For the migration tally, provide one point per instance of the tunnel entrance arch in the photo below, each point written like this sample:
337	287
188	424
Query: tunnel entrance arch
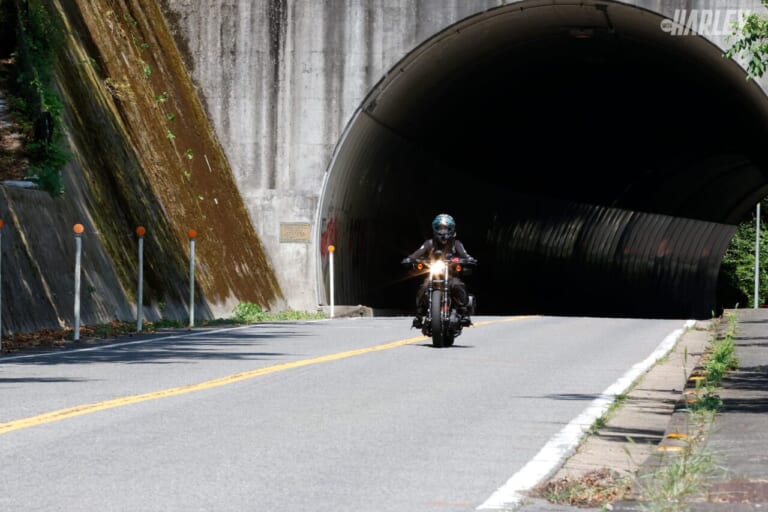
595	164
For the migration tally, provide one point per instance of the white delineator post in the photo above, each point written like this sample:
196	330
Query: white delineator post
331	250
192	235
78	229
140	232
1	285
757	256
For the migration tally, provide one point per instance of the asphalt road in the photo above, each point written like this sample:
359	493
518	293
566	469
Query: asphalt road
344	415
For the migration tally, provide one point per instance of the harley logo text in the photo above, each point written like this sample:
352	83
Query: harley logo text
704	22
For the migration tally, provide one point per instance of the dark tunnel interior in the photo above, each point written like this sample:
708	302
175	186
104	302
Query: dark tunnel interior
594	167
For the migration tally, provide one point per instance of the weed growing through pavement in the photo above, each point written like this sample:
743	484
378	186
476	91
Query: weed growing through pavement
719	359
602	421
678	474
684	468
594	489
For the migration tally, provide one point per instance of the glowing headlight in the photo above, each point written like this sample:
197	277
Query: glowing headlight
437	268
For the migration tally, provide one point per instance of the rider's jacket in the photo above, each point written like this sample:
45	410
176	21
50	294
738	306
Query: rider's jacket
453	249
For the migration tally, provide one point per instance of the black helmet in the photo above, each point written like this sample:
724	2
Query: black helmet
444	228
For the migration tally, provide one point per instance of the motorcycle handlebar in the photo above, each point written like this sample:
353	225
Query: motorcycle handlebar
454	261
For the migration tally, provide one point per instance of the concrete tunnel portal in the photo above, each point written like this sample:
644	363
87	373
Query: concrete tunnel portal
594	164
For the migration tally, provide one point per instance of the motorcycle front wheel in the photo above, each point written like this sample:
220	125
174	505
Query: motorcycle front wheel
438	338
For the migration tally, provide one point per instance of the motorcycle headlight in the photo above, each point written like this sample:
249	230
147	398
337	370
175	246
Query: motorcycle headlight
437	268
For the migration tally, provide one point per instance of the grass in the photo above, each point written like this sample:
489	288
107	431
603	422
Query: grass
602	421
249	313
719	359
679	475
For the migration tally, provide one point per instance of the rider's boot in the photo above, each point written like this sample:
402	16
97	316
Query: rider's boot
464	319
418	322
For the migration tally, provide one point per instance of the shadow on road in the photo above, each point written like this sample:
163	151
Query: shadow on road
159	349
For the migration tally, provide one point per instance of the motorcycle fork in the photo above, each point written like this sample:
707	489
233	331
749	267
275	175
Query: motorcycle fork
445	310
445	306
429	302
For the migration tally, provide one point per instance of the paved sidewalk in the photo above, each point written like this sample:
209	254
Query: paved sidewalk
737	438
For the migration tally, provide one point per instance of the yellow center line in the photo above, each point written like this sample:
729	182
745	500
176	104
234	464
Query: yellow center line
80	410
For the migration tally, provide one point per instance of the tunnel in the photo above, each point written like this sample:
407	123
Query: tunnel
595	165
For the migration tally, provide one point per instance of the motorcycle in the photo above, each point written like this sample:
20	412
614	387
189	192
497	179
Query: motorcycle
442	322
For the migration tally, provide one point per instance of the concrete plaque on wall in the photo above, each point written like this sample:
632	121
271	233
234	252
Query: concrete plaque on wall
296	232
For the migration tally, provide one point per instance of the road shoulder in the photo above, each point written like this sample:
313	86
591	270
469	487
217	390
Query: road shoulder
632	431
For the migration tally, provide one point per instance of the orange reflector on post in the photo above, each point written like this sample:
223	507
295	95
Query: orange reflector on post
192	233
78	229
141	231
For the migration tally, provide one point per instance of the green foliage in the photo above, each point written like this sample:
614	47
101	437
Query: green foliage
249	313
38	37
668	484
668	487
707	401
722	355
602	421
47	164
719	360
722	361
737	271
128	18
751	43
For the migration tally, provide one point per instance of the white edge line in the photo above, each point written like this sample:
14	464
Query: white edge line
138	342
564	443
122	344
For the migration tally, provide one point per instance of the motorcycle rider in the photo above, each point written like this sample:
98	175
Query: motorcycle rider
443	241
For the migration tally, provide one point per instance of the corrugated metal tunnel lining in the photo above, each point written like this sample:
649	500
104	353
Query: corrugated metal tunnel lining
594	163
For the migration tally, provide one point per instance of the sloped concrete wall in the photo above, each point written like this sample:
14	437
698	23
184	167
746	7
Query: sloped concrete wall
143	154
39	264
